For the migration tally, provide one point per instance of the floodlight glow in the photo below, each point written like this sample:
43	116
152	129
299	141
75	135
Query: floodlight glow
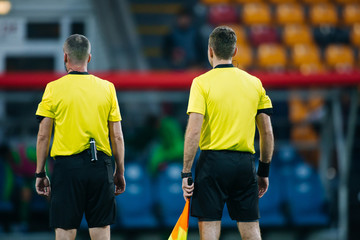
5	7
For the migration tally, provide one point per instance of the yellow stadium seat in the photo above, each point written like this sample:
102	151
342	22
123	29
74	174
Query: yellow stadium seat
272	57
355	35
209	2
311	68
282	1
305	54
346	1
240	33
315	1
297	34
256	13
244	57
288	13
339	57
323	14
351	13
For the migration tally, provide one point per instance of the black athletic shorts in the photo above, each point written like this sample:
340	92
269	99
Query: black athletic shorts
225	177
80	186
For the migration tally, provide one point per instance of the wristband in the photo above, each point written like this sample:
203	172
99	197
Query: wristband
186	175
263	169
40	175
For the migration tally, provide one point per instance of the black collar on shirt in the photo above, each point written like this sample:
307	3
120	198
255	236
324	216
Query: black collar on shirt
76	72
224	65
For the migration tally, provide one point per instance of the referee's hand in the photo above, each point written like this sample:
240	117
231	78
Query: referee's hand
42	186
187	189
263	183
120	184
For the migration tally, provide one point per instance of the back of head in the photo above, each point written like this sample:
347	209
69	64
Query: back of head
78	48
223	42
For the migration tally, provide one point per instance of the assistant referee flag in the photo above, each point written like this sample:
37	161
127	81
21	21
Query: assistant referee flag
180	230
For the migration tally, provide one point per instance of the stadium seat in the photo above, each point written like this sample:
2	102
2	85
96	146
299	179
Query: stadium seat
135	205
351	13
260	34
271	204
355	34
307	197
256	13
340	58
297	34
170	195
325	35
290	13
209	2
240	33
305	54
323	14
346	1
315	1
282	1
222	14
306	59
272	57
244	57
6	187
226	221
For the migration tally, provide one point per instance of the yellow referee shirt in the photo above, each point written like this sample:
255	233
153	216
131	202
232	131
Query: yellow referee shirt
229	99
81	106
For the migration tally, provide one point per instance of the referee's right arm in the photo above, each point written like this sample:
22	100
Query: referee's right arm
118	149
263	123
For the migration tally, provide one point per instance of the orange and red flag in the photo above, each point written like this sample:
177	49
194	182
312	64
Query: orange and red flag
180	230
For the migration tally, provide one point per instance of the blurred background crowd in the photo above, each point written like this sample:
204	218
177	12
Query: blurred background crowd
312	46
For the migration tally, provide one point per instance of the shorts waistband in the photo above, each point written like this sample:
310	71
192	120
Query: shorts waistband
227	151
85	153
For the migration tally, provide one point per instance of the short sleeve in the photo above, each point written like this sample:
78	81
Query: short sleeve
197	102
265	104
114	115
45	107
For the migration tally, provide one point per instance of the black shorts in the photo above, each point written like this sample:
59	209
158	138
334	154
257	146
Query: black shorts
225	177
79	186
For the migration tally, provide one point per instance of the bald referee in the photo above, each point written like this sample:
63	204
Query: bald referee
84	111
225	104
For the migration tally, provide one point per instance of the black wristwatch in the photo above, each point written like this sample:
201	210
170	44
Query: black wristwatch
40	175
186	175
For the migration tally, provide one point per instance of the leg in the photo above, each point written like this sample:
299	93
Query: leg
249	230
209	230
63	234
100	233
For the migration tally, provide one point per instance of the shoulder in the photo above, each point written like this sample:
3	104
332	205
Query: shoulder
103	82
56	82
251	78
203	78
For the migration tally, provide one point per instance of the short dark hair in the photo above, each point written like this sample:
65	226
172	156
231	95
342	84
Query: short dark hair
223	41
78	48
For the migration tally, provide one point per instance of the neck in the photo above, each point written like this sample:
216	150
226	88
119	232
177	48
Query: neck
221	61
76	68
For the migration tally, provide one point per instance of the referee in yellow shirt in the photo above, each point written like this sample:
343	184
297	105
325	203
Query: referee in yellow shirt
225	104
84	111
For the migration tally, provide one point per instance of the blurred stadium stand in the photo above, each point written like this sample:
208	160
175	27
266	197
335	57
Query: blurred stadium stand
302	51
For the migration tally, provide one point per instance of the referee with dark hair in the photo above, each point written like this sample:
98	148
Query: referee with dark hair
84	111
224	106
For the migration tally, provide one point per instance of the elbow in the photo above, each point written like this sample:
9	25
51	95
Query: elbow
43	138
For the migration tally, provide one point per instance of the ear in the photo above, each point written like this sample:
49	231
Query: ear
235	52
211	52
65	57
89	59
